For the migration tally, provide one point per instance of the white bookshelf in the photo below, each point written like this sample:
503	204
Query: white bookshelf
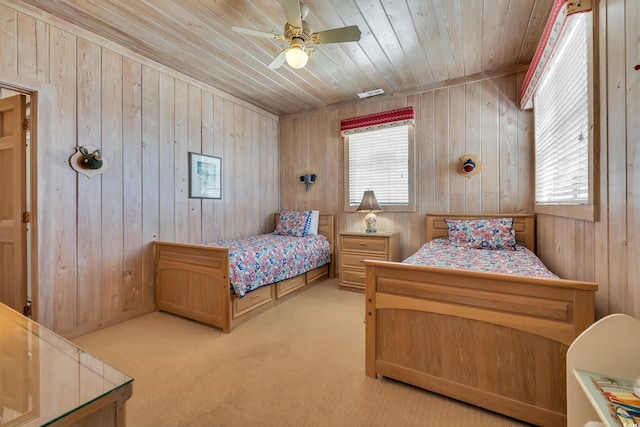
609	348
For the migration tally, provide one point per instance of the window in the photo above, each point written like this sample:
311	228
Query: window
379	156
379	161
564	127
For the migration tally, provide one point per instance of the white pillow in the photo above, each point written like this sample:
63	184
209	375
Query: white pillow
313	227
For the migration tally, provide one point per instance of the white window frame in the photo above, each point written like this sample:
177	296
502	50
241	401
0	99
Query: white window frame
352	203
584	209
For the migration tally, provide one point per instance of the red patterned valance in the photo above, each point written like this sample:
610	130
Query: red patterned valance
402	116
555	24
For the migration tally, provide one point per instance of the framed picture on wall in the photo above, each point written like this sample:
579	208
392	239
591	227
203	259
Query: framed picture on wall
205	176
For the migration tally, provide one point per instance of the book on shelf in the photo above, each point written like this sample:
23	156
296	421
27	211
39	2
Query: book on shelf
614	398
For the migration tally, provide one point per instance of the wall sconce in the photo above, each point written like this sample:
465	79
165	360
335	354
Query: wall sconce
469	165
88	161
369	204
308	179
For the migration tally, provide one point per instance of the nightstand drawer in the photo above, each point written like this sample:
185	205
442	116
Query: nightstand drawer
353	276
369	244
352	259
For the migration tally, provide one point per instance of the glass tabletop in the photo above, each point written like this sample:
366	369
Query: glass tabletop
44	377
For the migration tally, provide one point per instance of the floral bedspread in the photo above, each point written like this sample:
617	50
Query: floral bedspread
268	258
443	253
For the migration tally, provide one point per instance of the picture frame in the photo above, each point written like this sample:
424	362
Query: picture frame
205	176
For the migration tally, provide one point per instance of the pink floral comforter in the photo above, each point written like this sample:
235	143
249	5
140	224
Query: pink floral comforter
443	253
268	258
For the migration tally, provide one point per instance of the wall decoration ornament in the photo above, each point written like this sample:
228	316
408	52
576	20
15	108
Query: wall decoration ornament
308	179
469	165
88	161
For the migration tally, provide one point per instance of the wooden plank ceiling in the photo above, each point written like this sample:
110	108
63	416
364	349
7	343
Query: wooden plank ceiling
406	45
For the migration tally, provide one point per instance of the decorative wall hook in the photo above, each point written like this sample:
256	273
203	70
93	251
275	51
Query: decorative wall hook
88	161
308	179
469	165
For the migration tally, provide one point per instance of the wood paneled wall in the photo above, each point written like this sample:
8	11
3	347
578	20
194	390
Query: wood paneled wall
608	251
478	117
95	258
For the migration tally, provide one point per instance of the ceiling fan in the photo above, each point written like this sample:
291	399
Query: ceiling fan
298	33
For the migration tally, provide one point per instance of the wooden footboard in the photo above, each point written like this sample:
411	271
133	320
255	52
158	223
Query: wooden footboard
493	340
193	281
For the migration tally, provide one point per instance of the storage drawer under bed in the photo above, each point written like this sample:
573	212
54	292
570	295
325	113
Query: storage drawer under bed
252	300
287	286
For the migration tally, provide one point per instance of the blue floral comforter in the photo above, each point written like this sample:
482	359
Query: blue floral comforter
269	258
443	253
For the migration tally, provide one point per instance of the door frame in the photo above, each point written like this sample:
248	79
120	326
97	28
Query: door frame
42	98
16	201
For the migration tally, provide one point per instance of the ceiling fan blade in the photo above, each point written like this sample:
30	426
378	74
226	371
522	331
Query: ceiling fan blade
278	60
337	35
292	11
322	60
250	32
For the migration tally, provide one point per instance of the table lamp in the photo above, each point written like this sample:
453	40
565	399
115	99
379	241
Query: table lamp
369	204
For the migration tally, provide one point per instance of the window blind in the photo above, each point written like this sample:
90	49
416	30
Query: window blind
379	161
561	112
555	25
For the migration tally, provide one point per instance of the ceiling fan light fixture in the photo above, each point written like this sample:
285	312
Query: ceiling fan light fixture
298	33
296	57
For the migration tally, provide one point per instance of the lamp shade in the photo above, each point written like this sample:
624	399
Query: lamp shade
369	203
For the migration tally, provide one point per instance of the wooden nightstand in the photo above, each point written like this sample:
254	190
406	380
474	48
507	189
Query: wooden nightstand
355	247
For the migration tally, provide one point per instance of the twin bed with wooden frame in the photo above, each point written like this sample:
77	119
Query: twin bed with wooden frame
497	341
192	280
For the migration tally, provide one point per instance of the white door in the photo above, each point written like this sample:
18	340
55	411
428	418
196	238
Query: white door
13	191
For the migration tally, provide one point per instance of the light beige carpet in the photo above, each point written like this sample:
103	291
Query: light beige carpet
299	364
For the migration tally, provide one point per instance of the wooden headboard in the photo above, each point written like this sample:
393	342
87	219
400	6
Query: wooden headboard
523	225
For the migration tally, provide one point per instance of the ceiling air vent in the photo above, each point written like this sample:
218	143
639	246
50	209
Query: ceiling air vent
373	92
